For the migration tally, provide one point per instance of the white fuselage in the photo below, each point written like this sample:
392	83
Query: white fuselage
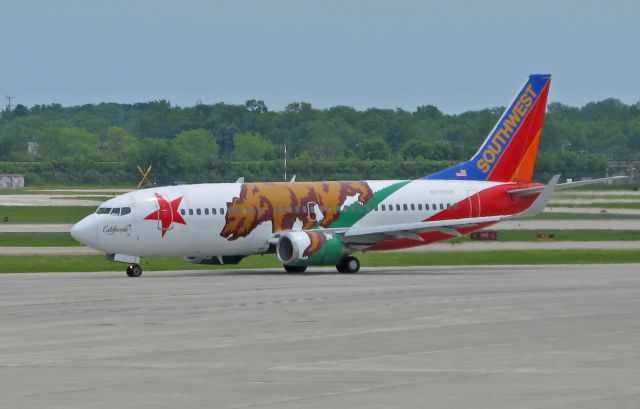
146	231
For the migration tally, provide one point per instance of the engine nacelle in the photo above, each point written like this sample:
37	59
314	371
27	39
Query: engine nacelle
309	248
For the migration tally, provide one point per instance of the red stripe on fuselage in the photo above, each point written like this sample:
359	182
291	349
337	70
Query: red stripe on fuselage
494	201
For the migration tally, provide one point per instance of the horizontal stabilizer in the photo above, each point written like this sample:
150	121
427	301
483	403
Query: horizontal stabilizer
527	191
541	202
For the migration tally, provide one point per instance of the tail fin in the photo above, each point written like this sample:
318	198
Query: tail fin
509	152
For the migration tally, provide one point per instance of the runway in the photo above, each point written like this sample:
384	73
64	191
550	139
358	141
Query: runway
482	337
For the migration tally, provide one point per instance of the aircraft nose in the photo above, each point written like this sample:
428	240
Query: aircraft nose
85	232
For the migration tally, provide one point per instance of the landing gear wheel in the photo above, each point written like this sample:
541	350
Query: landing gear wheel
134	270
295	269
349	264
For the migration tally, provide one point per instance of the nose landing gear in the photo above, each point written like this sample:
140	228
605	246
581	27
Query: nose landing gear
134	270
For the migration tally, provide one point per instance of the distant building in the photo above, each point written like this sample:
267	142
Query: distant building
11	181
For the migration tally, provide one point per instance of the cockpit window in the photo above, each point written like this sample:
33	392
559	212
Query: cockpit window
114	211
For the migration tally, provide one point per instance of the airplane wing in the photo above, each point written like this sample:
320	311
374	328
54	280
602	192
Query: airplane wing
450	226
411	230
535	190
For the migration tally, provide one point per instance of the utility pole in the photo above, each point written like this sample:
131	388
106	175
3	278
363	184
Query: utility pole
9	98
285	158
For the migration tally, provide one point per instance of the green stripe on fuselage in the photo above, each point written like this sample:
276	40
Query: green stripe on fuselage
352	213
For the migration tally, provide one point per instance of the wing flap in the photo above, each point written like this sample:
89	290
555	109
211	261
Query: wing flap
408	229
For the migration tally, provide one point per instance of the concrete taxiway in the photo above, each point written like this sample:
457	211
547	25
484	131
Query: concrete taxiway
481	337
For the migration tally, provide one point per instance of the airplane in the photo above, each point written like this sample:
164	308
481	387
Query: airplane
325	223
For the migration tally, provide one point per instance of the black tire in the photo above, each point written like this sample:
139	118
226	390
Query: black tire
349	265
295	269
134	270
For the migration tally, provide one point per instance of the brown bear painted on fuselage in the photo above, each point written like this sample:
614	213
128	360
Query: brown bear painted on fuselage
258	201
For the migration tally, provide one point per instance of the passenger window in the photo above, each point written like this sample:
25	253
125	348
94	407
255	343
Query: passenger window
125	210
115	211
382	207
214	211
441	206
419	206
413	207
206	211
190	212
183	212
198	212
404	207
434	207
455	205
253	210
398	207
221	210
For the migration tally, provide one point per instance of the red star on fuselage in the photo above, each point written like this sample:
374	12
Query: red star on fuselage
167	213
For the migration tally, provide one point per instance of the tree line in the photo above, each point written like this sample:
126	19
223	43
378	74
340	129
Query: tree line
103	143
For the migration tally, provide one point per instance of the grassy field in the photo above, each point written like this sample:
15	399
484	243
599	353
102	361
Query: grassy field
65	240
37	240
45	214
17	264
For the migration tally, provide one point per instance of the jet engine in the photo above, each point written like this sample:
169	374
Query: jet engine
310	248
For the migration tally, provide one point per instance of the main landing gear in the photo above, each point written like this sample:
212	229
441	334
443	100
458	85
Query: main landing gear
295	269
134	270
349	264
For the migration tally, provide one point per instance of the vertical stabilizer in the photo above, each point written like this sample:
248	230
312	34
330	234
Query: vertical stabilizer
509	152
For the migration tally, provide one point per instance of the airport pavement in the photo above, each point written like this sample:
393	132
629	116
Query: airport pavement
35	228
443	337
473	246
48	200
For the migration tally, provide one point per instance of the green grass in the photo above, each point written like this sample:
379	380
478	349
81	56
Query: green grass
65	240
37	240
44	214
18	264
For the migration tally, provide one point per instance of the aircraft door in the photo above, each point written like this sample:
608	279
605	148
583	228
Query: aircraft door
312	210
475	208
165	212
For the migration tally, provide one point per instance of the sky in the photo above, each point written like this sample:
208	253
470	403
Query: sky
456	55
